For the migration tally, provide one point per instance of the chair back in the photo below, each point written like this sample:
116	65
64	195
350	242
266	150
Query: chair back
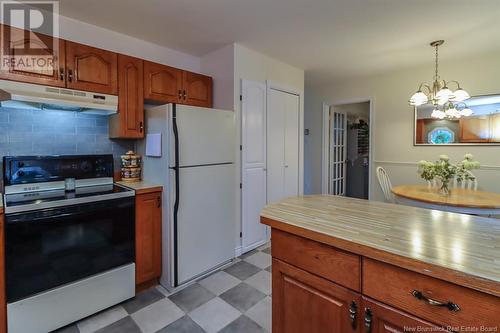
385	184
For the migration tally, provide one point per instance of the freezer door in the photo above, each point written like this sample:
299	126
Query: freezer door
206	219
206	136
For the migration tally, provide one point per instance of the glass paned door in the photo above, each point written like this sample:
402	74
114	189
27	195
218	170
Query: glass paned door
337	163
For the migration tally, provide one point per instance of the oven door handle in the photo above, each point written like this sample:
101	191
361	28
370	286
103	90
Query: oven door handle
63	212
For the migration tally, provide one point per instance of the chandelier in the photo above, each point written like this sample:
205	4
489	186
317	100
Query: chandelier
447	104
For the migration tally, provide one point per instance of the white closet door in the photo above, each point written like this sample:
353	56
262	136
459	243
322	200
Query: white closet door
283	145
291	172
276	145
253	115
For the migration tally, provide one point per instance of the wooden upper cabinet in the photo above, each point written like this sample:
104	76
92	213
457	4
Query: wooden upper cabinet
129	122
380	318
197	89
148	237
495	128
50	52
303	302
162	83
91	69
474	129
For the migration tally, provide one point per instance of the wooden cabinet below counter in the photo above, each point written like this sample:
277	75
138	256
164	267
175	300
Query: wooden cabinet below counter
304	302
316	288
148	218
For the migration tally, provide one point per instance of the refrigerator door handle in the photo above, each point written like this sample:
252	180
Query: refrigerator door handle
176	203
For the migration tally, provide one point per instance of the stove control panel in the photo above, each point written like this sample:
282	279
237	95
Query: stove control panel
38	169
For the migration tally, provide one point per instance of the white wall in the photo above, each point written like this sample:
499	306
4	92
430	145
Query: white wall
219	64
393	120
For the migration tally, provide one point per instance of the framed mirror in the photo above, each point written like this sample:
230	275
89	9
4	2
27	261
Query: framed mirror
482	127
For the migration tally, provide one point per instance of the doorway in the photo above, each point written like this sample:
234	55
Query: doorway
346	149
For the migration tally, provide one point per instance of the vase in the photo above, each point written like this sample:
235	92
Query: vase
444	189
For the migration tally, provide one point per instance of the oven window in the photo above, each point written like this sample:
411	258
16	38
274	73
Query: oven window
49	248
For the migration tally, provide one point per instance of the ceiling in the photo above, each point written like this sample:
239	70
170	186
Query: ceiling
332	40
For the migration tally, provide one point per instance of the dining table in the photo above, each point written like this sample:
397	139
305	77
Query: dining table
460	200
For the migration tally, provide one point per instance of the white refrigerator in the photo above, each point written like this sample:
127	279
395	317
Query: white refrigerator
194	152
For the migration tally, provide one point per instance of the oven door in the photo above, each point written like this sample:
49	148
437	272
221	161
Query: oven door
49	248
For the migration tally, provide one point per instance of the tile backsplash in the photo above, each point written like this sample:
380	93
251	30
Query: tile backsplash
40	132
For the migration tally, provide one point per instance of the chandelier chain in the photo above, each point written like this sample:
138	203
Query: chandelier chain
436	75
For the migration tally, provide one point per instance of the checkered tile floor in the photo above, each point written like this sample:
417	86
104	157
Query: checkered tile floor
234	300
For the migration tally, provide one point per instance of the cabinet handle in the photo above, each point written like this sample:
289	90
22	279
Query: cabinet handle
61	74
180	94
158	202
184	94
141	127
353	314
368	320
449	305
70	75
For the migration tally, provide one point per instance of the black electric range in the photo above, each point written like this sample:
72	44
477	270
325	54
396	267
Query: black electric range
69	230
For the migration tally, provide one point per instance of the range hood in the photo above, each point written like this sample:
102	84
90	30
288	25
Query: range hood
38	97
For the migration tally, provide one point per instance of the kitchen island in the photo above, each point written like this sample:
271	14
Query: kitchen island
349	265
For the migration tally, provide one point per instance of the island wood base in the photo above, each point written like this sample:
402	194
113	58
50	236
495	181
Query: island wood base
318	288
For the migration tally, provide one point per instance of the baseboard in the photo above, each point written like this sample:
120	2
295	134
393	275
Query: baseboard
252	247
238	251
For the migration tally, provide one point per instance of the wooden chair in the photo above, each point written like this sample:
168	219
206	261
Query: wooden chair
385	184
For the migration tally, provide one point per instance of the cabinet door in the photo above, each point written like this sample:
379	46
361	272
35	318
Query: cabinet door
303	302
91	69
495	128
197	90
148	237
129	122
474	129
162	83
282	145
48	51
3	310
380	318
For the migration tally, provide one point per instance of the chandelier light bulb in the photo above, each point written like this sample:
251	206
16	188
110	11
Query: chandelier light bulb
442	101
460	95
444	94
438	114
419	98
466	112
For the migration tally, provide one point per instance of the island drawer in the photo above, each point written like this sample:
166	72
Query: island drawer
432	299
328	262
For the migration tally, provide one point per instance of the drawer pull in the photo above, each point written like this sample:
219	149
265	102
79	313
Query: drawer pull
368	320
449	305
353	311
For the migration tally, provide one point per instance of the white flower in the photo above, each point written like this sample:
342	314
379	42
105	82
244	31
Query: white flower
444	157
468	157
422	163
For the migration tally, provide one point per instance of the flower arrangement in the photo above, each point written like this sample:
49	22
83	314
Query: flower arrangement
443	171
